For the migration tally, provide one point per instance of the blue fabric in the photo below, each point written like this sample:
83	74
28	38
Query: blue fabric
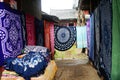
106	39
81	36
91	52
1	56
30	65
10	31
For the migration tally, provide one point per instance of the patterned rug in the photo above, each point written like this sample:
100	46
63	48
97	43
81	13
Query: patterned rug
65	37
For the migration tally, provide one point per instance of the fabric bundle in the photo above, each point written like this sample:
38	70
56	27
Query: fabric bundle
10	31
31	64
81	36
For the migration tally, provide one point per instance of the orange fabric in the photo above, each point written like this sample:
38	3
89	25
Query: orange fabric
47	34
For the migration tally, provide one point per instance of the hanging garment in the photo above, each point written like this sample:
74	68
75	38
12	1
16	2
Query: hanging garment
10	31
88	34
39	25
65	37
81	36
30	27
97	38
91	52
47	34
116	40
52	37
106	38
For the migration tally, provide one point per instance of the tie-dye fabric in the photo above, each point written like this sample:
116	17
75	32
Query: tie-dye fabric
10	31
81	36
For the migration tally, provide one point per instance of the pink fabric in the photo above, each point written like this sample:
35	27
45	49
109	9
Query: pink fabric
30	28
52	37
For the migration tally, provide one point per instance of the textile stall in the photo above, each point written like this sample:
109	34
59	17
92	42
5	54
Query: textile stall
29	62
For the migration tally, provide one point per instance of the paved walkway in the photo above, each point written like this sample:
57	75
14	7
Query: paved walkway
74	70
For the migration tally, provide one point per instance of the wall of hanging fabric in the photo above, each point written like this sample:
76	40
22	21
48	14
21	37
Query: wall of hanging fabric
39	25
116	40
10	31
30	29
81	36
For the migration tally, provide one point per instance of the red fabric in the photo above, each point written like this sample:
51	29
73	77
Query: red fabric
47	34
1	69
30	28
52	38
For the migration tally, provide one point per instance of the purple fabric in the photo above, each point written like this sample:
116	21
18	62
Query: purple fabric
10	31
88	34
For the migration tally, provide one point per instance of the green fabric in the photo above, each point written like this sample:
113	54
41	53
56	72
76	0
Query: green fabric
116	40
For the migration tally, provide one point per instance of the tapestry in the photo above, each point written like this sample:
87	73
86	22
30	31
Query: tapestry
106	39
81	36
52	38
65	37
91	52
30	28
115	40
47	34
39	25
10	31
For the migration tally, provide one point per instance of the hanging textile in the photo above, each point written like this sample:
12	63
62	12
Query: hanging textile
65	37
1	54
116	40
30	28
47	34
52	37
106	39
88	34
23	29
91	52
39	25
97	38
10	31
81	36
